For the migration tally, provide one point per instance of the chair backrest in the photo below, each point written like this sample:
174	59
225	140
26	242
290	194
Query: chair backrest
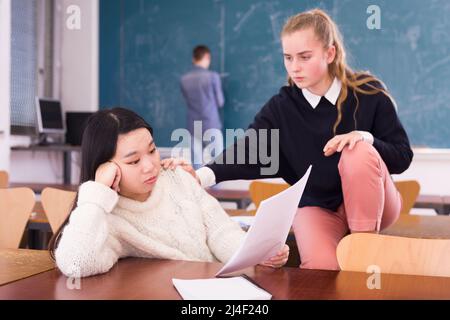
16	206
57	205
4	179
397	255
260	190
409	190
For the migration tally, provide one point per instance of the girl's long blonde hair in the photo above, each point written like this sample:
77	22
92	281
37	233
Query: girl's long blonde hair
328	33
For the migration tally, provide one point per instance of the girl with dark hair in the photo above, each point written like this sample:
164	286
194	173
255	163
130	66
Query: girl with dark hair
127	206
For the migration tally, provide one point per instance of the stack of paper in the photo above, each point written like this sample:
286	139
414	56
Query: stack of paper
235	288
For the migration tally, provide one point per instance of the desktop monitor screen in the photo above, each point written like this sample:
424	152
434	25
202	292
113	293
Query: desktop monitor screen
50	116
75	125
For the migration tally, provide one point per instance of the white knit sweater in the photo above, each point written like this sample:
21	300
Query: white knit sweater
178	221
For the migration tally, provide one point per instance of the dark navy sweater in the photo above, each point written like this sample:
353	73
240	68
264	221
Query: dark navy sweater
303	133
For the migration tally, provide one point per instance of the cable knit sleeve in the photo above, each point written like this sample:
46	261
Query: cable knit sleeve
224	235
84	248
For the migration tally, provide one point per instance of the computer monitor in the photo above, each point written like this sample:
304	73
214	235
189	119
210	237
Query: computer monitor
75	125
50	116
50	121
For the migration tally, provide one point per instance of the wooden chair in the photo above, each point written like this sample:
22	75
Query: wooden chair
260	190
15	208
4	179
397	255
57	205
409	190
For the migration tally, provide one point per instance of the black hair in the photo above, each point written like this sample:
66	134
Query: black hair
99	145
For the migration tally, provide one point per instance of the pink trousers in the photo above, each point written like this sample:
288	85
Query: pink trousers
371	203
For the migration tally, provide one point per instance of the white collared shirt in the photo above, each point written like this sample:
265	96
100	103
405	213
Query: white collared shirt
332	95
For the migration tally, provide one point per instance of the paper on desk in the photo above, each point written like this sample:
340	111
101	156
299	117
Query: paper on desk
269	230
235	288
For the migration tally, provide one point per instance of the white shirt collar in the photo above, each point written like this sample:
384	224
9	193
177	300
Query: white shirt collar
331	95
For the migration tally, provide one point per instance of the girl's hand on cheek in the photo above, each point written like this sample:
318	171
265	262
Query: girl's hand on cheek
109	174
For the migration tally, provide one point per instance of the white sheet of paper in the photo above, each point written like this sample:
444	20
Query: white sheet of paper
269	230
235	288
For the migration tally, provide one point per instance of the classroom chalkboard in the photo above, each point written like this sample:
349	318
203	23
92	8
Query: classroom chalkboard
145	46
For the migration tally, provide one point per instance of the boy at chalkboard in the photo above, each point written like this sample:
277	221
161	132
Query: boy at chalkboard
342	122
202	91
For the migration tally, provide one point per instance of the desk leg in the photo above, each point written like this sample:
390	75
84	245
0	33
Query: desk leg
33	239
67	167
444	210
243	203
38	239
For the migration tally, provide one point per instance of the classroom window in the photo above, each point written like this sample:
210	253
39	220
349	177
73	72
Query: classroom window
23	66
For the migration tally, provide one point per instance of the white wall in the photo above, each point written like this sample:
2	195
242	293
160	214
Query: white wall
5	35
76	84
431	167
79	57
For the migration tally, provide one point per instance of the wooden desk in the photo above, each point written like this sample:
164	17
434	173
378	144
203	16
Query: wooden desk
65	149
240	197
439	203
16	264
239	212
134	278
414	226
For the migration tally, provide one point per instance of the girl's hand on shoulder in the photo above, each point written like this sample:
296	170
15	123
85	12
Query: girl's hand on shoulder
279	260
109	174
340	141
172	163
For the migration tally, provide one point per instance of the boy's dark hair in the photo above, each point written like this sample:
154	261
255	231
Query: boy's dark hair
199	52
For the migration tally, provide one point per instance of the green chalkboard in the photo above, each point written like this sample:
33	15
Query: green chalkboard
145	46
